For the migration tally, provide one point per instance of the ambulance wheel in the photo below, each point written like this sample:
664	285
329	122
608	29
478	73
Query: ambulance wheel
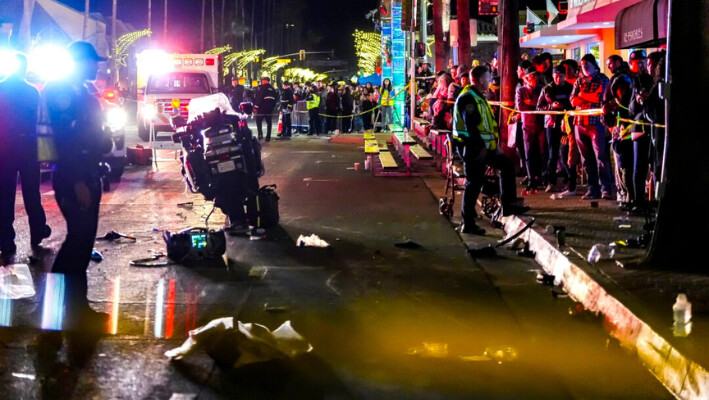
143	132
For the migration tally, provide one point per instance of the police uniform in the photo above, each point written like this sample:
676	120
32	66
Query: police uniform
287	102
18	154
312	103
265	102
71	116
476	136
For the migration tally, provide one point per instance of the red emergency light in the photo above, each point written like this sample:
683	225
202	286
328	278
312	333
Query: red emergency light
210	61
110	94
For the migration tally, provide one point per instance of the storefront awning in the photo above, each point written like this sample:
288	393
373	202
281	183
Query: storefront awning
642	25
593	14
552	37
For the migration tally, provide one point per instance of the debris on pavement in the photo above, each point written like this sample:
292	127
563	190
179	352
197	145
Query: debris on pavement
546	279
24	376
430	350
559	293
258	272
483	252
598	252
96	256
187	205
232	343
113	235
517	244
311	241
526	252
275	309
183	396
409	244
16	282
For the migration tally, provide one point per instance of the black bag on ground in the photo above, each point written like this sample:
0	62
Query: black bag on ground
262	207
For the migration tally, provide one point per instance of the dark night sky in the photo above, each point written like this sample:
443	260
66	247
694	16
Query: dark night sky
332	20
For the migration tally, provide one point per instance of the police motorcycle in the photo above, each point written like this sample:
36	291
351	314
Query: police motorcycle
219	154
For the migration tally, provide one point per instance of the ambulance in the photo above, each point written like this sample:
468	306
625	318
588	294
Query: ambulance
167	82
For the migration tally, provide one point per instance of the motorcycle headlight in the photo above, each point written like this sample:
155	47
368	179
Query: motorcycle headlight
116	118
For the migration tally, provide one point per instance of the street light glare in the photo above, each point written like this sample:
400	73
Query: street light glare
8	63
154	62
50	62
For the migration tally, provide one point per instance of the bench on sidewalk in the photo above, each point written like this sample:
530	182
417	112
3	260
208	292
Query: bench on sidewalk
438	141
387	160
403	142
421	127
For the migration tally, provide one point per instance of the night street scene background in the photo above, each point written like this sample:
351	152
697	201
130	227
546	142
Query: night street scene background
374	199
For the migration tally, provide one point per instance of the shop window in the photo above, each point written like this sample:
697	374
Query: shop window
595	49
576	54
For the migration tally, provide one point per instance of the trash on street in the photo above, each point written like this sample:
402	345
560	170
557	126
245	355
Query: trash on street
409	244
233	343
16	282
311	241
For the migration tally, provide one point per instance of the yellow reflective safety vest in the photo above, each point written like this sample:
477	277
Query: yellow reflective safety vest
386	98
487	128
312	101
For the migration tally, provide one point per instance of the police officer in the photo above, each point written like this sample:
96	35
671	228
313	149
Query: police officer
236	93
18	154
312	103
71	116
287	102
476	136
264	105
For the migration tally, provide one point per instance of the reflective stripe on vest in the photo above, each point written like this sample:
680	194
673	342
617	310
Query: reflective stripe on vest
314	103
487	128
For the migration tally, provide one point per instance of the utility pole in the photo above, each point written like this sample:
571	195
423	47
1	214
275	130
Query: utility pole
164	24
682	187
150	14
214	43
201	28
441	43
86	20
508	35
464	33
113	42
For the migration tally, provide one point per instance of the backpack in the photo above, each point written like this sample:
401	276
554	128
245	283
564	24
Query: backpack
262	207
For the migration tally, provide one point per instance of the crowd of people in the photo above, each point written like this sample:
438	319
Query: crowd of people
616	142
331	108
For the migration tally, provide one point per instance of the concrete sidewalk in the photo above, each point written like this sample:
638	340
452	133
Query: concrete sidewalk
636	304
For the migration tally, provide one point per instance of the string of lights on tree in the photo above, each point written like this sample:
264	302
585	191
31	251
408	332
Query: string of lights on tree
368	51
302	75
219	50
270	65
125	41
240	59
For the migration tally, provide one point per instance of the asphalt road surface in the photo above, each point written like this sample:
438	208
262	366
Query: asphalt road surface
384	322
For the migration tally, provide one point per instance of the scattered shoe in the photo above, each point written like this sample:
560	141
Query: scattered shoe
568	193
590	196
472	229
258	234
47	233
237	229
514	209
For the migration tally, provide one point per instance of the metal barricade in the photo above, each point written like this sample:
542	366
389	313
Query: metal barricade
299	119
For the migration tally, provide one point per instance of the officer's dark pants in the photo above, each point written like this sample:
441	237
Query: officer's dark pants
624	173
331	121
28	168
641	165
535	147
287	125
231	197
475	177
314	124
73	257
259	119
519	145
553	145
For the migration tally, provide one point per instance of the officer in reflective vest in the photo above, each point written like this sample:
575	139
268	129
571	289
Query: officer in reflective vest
476	137
312	103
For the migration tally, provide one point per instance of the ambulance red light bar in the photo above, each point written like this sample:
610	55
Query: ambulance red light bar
210	61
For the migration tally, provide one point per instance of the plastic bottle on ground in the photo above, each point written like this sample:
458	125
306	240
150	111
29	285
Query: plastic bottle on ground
598	252
682	311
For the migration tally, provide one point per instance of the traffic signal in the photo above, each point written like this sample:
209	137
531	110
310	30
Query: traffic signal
529	28
301	55
420	50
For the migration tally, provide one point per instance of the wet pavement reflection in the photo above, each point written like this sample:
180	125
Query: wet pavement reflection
384	322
